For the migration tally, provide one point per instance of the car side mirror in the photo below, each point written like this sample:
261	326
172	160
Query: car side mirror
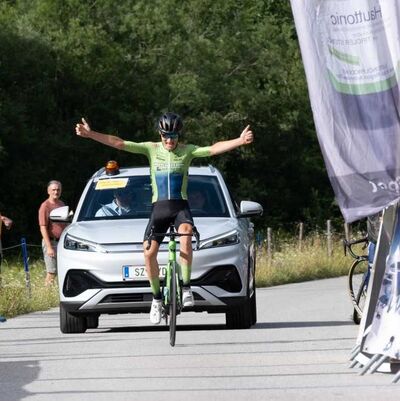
249	209
61	214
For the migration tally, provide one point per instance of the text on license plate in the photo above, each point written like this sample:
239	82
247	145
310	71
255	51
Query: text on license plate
138	272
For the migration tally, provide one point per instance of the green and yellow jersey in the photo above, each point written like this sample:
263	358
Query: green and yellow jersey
168	169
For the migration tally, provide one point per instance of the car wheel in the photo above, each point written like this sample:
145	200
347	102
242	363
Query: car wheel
239	317
70	323
92	321
245	315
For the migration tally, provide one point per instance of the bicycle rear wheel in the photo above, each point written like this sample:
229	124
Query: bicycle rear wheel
358	283
173	304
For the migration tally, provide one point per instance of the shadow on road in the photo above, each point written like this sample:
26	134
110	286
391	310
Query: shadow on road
163	327
210	327
14	376
287	325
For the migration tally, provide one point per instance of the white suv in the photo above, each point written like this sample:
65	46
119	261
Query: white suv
100	255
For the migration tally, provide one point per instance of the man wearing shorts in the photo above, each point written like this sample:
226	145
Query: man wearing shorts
169	166
51	231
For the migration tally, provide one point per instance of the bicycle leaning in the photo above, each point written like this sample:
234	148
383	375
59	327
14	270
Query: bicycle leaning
171	291
358	277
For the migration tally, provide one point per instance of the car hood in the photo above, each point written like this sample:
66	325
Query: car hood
128	231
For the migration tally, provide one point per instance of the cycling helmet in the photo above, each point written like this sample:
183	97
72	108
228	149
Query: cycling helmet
170	124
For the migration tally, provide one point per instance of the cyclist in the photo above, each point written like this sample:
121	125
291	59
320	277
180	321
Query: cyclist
169	164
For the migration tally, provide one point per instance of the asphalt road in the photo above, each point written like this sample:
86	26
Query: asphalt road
298	350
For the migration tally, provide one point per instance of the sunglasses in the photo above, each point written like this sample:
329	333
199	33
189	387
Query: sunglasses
169	135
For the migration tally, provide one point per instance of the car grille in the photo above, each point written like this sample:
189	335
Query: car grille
78	281
120	298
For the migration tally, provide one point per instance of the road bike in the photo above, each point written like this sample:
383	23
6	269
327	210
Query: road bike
171	290
358	276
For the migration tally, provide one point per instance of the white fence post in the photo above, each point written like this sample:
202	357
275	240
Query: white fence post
329	237
301	231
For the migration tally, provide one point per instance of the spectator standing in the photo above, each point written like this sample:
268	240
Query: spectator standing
51	231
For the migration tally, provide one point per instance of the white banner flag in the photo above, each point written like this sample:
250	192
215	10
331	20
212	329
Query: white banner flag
383	336
351	55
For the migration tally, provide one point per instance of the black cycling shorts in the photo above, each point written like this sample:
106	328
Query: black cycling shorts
167	212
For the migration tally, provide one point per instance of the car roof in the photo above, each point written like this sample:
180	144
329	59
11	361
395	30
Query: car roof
137	171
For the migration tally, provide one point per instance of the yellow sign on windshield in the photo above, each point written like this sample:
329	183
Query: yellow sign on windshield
111	183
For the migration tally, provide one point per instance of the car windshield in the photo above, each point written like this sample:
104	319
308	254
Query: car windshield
130	198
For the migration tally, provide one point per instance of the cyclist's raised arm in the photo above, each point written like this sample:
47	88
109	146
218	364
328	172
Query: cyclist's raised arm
245	138
83	130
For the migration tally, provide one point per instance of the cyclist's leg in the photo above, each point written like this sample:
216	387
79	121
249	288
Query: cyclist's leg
184	225
152	268
158	223
186	252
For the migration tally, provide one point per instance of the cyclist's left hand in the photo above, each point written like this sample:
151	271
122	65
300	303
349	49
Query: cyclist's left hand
83	129
247	135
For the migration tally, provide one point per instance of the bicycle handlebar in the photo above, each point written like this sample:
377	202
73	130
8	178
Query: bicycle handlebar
348	245
172	234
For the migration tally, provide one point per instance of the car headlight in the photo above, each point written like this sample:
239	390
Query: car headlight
76	244
226	239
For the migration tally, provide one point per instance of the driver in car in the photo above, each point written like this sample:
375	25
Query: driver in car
122	204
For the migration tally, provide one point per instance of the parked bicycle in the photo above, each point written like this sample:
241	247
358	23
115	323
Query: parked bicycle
172	284
358	276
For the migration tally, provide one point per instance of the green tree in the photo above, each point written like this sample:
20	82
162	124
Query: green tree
221	65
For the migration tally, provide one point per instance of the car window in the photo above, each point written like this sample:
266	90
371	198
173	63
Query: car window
204	195
100	203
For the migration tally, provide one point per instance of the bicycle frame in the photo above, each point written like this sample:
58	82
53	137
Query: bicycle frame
172	284
169	274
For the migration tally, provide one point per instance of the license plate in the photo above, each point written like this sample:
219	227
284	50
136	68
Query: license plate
138	272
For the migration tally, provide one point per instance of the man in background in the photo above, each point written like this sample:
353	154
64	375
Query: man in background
51	231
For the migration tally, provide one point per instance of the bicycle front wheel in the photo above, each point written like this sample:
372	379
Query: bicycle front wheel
173	304
358	282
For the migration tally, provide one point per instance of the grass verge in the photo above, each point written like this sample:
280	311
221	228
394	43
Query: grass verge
15	296
289	264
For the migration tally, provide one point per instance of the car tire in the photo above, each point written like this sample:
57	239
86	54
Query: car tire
239	317
243	316
92	321
71	323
